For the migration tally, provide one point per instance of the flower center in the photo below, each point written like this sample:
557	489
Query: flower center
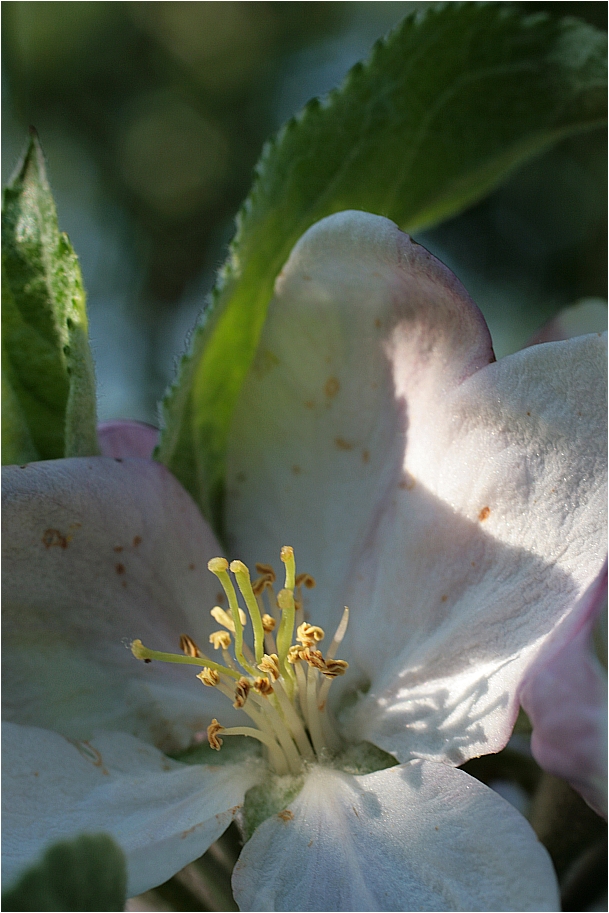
282	682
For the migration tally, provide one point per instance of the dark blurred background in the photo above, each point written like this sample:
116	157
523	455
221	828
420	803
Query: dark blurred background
152	115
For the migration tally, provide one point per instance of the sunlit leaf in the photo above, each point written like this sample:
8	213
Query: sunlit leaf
446	106
48	383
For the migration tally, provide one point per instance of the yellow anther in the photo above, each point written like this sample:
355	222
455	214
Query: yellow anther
220	640
212	735
265	570
335	667
188	646
285	599
305	580
294	654
309	634
217	565
224	619
270	664
209	677
314	658
242	689
268	623
287	556
238	567
263	686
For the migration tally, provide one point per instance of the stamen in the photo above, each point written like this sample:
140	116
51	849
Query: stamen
340	633
141	652
281	732
277	756
294	654
219	567
309	634
305	580
313	713
220	640
294	724
263	686
242	576
302	689
260	584
212	735
188	646
335	667
270	665
242	689
267	571
292	730
224	619
314	658
209	677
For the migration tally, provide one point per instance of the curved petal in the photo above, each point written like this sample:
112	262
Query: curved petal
317	442
162	814
127	439
565	696
470	571
422	836
98	552
454	504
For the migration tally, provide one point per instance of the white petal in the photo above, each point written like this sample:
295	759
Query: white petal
98	552
162	814
317	443
422	836
506	529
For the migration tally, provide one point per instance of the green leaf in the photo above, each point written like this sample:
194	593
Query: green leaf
87	873
48	382
442	111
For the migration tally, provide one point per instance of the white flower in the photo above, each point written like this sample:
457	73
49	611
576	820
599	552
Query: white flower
455	504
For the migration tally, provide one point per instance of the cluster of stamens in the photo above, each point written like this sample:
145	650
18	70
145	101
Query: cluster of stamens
282	686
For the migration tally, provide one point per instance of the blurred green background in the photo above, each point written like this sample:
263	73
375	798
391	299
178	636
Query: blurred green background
152	116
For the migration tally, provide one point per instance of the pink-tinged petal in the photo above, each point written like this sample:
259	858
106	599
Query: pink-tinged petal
317	442
96	553
127	439
565	696
588	316
422	836
454	504
162	814
503	531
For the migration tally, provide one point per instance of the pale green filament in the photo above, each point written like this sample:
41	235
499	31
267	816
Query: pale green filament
315	732
293	722
141	652
338	637
279	761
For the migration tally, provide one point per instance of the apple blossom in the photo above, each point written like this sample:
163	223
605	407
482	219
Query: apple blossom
454	503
